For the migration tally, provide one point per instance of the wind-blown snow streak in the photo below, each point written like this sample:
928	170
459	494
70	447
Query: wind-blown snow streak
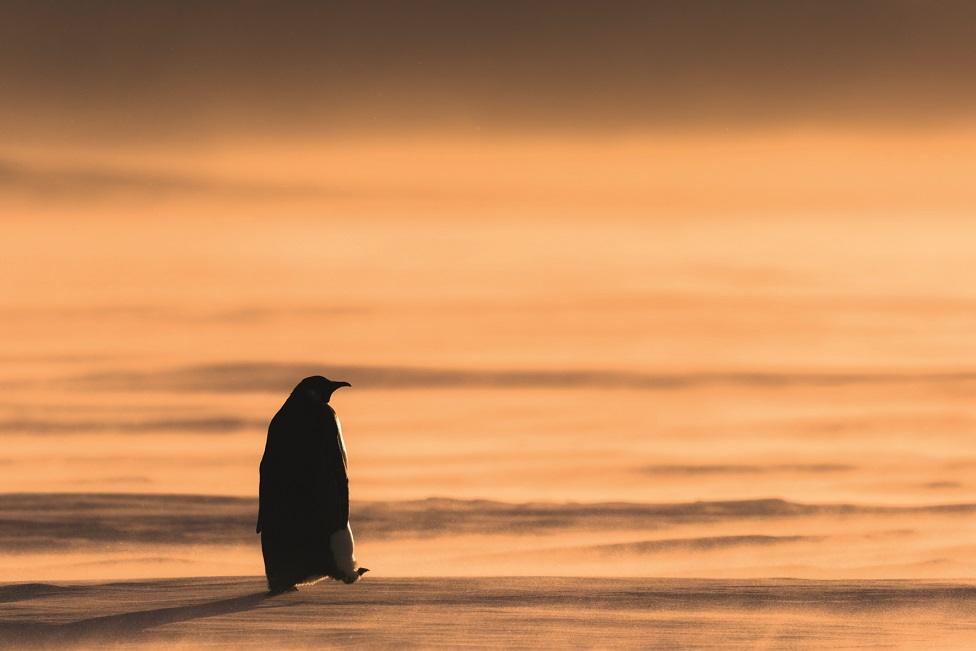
50	521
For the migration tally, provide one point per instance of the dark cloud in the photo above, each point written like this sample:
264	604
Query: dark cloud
30	521
252	314
123	479
235	315
65	358
938	485
281	377
202	425
176	70
745	469
66	183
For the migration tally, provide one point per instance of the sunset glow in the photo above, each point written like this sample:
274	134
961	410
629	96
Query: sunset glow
686	286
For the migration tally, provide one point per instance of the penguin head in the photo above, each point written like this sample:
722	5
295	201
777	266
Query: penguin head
318	388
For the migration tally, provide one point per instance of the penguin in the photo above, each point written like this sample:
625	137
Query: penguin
303	506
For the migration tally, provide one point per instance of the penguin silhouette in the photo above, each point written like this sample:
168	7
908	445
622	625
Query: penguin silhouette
303	510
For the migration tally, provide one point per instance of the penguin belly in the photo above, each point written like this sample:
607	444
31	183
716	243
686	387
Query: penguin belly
343	548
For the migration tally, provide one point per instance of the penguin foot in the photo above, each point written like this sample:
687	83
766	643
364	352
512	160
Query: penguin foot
352	578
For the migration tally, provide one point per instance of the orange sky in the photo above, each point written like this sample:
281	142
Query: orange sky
160	73
659	110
